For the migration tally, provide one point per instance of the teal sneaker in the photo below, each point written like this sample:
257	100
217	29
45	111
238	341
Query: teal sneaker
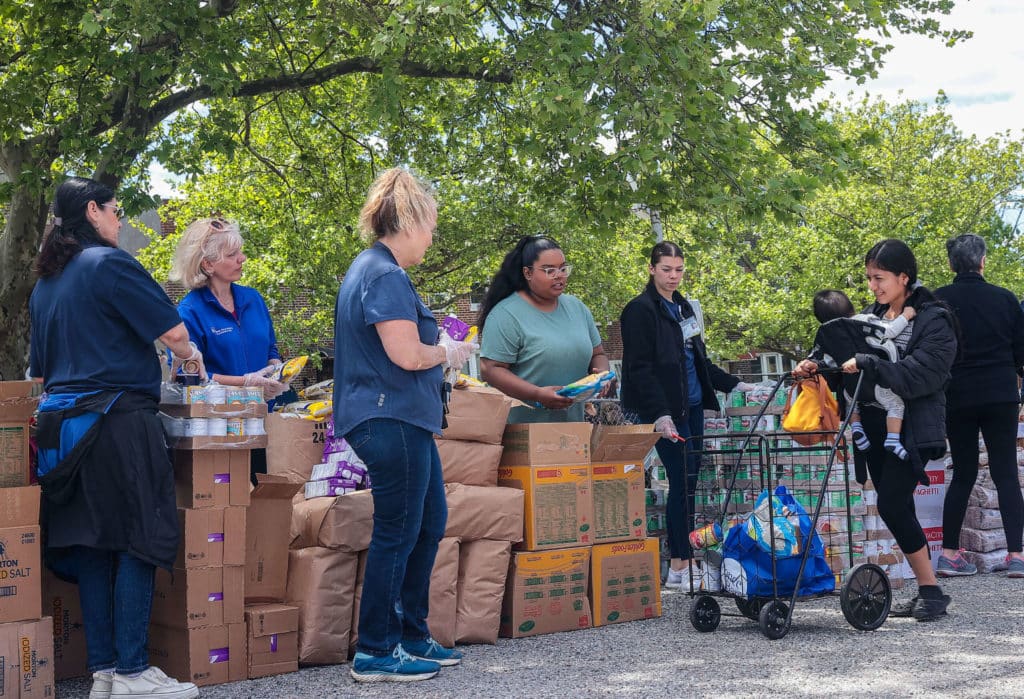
429	649
397	667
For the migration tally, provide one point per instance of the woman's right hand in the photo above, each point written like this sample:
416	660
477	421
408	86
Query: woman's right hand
805	368
548	397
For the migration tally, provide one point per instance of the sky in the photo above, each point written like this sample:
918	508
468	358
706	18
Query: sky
983	77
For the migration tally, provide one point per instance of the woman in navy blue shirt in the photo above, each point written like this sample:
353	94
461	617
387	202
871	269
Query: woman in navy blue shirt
387	404
108	509
229	322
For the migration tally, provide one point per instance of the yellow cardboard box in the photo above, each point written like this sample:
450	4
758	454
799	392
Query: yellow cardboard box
617	472
558	505
625	581
545	592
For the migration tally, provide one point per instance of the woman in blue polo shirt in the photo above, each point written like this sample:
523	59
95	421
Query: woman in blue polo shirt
229	322
387	404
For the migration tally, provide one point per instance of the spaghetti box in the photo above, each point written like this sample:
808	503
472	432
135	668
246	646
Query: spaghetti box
546	444
16	408
213	478
546	592
20	554
211	537
624	581
273	639
194	597
205	656
26	659
617	473
558	504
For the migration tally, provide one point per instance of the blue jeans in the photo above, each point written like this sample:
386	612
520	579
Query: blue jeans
679	510
116	592
409	518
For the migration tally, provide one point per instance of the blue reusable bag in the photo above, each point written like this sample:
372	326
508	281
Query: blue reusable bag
747	562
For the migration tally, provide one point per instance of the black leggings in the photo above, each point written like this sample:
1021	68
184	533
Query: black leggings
998	425
894	480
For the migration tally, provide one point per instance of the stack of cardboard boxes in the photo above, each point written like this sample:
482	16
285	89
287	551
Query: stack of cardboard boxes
585	558
26	636
197	630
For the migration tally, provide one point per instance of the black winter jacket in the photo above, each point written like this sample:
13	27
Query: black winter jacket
654	379
992	342
920	379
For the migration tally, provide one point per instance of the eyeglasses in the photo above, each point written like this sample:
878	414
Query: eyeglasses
552	272
118	210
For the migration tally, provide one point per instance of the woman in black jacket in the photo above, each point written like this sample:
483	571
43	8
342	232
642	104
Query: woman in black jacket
982	397
927	349
667	379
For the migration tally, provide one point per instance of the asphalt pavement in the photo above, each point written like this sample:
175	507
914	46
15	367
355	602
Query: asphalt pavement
975	651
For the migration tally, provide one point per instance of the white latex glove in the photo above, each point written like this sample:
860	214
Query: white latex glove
667	428
196	355
745	387
271	388
456	353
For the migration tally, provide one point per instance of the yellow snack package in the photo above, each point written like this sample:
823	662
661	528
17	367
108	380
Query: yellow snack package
290	369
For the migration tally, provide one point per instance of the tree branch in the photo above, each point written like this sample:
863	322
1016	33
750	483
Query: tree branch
294	81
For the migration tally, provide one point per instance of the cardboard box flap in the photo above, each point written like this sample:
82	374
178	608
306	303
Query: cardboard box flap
17	389
489	390
621	442
270	487
269	619
19	507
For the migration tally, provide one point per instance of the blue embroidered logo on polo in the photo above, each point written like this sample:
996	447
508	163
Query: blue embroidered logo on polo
222	331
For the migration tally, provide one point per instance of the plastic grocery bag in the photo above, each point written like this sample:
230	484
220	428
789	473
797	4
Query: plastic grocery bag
747	559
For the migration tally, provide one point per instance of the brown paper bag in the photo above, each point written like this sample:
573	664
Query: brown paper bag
483	567
444	592
475	512
344	523
321	583
469	463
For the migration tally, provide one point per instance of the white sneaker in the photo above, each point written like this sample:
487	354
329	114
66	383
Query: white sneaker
679	579
152	683
101	684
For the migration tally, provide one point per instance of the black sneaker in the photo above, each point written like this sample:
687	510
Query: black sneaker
931	609
903	609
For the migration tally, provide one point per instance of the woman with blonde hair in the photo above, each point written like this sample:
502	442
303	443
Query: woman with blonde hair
229	322
387	404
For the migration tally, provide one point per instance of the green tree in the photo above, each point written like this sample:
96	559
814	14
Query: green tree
680	89
923	182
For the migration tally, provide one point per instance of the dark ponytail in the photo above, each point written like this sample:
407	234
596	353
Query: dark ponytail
509	278
71	229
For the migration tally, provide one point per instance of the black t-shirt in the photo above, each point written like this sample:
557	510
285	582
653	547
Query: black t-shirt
93	325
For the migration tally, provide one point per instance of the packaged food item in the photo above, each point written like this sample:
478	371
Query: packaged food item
324	389
218	426
310	409
254	426
458	330
329	487
467	380
587	387
216	394
236	427
289	370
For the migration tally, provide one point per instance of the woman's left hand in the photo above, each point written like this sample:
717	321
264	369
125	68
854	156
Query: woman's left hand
850	366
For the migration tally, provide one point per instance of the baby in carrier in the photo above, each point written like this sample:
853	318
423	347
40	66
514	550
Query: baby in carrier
844	333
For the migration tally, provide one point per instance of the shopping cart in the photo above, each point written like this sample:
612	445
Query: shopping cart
735	468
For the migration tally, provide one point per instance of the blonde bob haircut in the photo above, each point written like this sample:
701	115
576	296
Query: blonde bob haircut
205	240
397	200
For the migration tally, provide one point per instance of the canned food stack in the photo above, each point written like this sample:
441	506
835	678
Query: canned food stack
26	636
198	627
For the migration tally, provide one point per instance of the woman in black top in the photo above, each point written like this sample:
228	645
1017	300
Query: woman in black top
982	396
927	349
667	379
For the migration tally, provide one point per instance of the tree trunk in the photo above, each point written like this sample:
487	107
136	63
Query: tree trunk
23	228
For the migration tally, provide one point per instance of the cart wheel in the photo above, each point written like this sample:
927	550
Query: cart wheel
705	614
750	608
866	597
775	620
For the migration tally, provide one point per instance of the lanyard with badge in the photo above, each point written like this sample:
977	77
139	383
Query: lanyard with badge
689	326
